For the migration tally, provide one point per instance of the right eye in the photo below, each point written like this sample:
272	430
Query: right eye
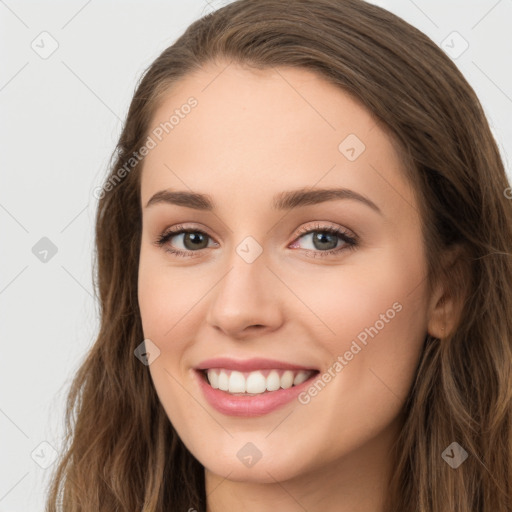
192	240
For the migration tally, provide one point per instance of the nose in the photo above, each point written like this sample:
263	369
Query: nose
246	300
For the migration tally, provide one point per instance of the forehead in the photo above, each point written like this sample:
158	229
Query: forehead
252	133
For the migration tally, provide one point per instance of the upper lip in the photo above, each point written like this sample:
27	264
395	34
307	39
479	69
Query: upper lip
248	365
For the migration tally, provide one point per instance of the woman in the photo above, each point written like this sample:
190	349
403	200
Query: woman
305	279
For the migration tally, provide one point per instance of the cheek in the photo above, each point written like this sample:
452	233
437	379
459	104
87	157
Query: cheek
168	296
169	299
355	301
378	317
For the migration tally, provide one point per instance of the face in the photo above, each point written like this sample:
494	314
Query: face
289	322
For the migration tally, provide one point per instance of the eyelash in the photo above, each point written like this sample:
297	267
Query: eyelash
350	241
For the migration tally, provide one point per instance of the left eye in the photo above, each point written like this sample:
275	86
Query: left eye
321	240
325	239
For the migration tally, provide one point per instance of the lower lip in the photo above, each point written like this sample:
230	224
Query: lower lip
248	406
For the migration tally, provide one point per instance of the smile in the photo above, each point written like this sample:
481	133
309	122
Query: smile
256	382
253	387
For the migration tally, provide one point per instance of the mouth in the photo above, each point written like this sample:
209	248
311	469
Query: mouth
253	383
251	387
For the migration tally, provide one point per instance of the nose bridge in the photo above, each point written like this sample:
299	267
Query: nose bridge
246	264
246	295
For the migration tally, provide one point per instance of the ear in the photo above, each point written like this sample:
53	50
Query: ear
445	306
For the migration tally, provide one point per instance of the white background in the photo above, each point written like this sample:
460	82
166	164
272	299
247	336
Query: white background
60	120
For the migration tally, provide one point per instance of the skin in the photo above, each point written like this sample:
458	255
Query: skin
254	134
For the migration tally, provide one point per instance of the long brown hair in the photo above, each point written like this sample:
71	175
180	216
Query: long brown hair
121	452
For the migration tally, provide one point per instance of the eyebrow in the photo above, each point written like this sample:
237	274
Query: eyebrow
281	201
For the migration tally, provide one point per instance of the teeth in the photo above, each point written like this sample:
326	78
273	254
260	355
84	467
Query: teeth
300	378
255	382
273	381
236	383
287	379
214	380
223	381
